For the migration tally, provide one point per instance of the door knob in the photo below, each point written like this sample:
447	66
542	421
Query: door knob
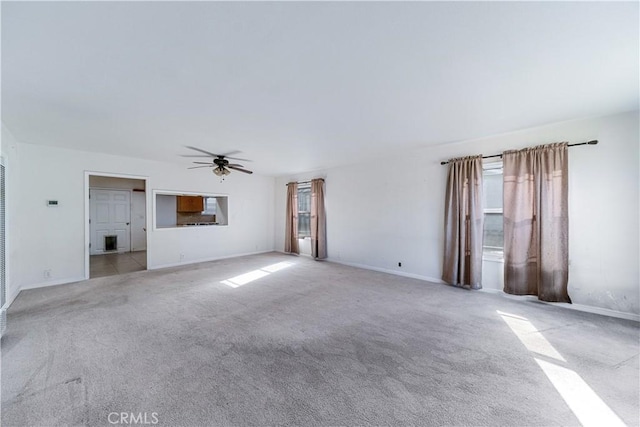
127	223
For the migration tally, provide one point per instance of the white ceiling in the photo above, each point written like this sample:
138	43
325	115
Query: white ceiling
299	86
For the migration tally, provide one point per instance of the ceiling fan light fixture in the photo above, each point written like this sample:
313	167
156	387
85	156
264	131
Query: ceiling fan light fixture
220	171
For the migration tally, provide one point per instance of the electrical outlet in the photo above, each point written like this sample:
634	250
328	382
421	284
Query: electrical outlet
47	274
181	257
399	264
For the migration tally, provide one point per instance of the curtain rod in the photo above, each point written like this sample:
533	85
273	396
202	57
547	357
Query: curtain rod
592	142
303	182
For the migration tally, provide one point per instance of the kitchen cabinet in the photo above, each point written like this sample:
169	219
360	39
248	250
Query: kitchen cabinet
190	203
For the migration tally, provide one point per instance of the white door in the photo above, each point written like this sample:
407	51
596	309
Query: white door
109	215
138	221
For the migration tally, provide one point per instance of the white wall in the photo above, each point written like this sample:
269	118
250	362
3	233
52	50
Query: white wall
382	213
166	207
54	238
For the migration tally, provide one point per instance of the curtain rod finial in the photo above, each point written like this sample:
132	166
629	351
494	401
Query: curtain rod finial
593	142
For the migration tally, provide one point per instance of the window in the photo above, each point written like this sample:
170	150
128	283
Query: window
493	242
210	206
304	211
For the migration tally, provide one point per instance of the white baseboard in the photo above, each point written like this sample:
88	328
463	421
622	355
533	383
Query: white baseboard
598	310
579	307
200	260
11	298
52	283
491	290
388	271
300	254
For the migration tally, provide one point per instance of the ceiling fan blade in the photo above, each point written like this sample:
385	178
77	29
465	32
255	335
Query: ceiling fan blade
239	170
230	153
234	165
237	158
194	155
210	154
202	151
204	163
196	167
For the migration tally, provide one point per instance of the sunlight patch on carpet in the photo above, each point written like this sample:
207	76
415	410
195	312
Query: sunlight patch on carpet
586	405
530	336
583	401
249	277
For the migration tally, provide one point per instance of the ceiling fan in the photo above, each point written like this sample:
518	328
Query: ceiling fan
220	164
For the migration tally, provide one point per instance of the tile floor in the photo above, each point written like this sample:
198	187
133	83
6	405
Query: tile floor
113	264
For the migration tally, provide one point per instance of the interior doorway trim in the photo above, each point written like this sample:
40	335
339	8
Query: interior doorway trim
87	229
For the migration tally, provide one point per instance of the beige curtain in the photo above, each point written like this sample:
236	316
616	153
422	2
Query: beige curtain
464	217
536	222
318	220
291	230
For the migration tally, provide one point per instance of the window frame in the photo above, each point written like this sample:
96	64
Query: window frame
492	253
303	188
206	210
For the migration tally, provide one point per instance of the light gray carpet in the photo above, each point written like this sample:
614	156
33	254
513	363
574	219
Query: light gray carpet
312	344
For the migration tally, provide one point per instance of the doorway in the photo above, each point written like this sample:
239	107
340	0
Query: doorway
116	224
109	221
